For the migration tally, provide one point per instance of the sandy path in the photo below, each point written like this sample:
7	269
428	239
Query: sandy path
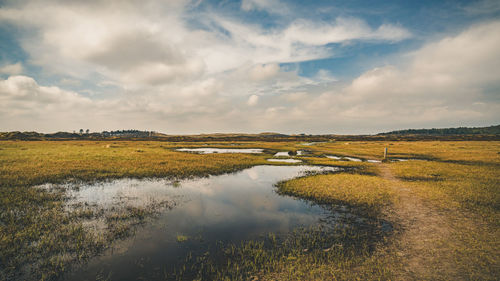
423	228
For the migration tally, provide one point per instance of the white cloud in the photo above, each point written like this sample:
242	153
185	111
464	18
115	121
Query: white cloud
271	6
12	69
343	29
253	100
25	102
70	82
264	72
482	7
295	97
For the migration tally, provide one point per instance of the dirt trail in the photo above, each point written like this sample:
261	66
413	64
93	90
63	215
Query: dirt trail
423	228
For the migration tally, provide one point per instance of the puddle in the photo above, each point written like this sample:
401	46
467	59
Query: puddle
288	154
285	160
333	157
209	150
313	143
229	208
369	160
344	158
353	159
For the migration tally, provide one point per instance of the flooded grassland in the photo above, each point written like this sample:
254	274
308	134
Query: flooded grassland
81	210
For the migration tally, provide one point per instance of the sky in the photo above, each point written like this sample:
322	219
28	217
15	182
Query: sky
250	66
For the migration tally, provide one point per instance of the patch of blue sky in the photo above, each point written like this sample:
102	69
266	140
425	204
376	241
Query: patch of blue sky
351	60
10	50
422	17
9	47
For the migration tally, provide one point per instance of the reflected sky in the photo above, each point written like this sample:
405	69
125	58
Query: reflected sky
281	154
285	160
344	158
229	208
208	150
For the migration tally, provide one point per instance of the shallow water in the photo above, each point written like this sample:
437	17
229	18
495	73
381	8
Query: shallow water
285	160
313	143
208	150
344	158
229	208
286	153
353	159
333	157
282	154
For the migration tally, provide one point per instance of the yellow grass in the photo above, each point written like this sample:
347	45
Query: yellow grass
31	163
369	193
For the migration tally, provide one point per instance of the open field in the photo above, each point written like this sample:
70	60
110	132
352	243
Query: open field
444	208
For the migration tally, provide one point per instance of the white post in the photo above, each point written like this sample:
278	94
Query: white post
385	153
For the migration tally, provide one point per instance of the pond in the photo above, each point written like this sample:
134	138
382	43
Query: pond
209	150
226	208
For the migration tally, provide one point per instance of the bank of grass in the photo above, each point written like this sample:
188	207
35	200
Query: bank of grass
366	194
454	185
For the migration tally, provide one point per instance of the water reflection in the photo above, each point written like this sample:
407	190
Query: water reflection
282	154
353	159
230	208
344	158
313	143
285	160
334	157
209	150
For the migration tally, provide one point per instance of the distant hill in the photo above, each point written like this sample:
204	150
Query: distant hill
491	130
68	136
457	134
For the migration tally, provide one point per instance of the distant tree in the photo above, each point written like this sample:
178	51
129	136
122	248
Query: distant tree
87	131
81	131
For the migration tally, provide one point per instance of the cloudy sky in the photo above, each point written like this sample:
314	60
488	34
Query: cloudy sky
202	66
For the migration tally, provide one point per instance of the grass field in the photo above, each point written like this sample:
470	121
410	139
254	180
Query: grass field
445	207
